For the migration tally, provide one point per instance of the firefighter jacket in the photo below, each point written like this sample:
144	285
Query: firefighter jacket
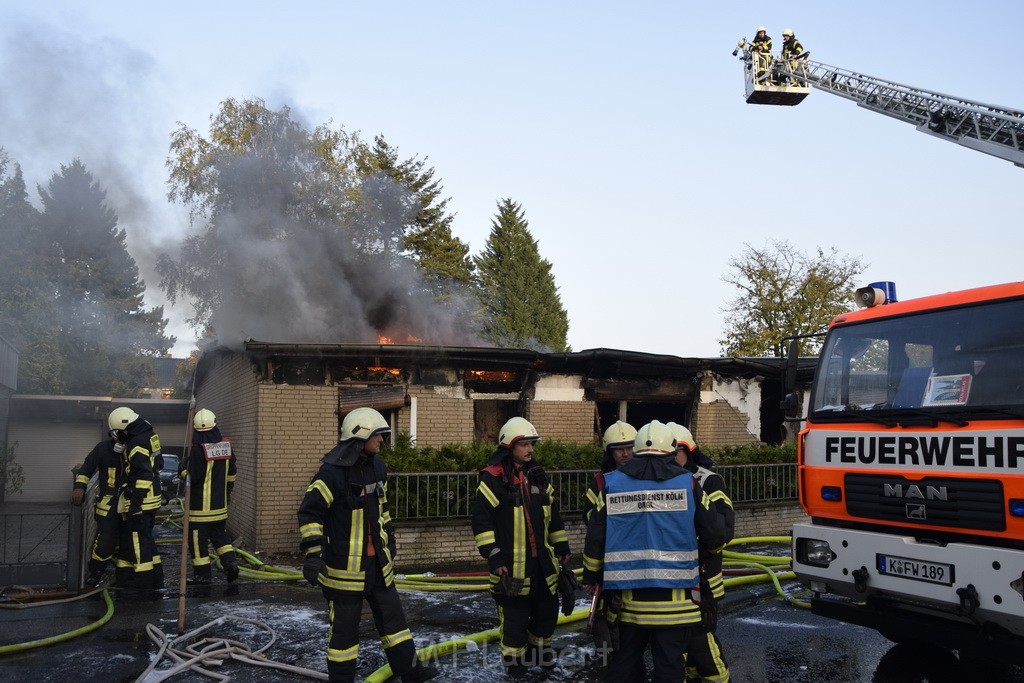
651	602
721	504
344	515
516	519
762	45
211	468
597	485
102	459
792	48
143	462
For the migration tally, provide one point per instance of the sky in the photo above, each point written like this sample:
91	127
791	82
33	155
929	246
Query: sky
620	128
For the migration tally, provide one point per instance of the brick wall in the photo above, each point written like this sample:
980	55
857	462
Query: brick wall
440	419
297	425
720	424
571	421
448	544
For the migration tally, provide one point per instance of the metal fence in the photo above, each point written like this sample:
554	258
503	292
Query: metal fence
444	495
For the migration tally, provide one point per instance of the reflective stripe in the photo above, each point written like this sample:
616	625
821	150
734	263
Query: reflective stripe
652	573
311	530
484	538
395	638
346	655
591	564
488	494
320	487
356	534
651	556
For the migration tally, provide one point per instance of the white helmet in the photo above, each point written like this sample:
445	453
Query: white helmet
787	32
204	420
120	418
654	438
761	28
618	435
517	429
362	423
683	436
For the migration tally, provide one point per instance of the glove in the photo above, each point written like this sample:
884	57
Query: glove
136	521
77	496
311	567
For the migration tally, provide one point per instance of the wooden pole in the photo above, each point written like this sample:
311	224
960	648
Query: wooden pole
185	507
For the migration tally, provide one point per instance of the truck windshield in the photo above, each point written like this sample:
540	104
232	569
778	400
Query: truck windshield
963	360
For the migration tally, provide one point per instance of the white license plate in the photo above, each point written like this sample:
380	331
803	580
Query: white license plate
919	570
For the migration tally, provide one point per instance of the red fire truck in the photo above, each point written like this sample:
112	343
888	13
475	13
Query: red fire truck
911	468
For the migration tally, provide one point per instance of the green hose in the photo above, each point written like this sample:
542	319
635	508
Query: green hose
22	647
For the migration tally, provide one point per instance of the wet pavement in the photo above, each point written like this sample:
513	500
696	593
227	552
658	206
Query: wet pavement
764	638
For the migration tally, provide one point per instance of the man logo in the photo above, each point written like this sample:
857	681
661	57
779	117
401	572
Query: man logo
914	491
916	512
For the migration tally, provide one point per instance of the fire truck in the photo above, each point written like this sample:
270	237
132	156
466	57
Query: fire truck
911	468
995	130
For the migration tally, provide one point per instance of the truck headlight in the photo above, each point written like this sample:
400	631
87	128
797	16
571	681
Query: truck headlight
814	552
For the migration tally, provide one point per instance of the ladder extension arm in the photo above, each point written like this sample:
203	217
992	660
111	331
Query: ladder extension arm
998	131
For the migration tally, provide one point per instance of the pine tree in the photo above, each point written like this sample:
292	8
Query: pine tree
105	334
522	307
27	302
443	259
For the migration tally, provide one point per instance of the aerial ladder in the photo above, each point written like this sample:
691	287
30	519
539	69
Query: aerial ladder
994	130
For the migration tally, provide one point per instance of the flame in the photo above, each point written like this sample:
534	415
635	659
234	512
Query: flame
409	339
491	375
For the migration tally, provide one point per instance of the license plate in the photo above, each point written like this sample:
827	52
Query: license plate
919	570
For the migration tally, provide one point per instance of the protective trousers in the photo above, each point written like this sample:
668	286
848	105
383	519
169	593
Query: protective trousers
704	661
108	530
138	562
200	536
527	621
388	617
668	650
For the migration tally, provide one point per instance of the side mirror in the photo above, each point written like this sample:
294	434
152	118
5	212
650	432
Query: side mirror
791	405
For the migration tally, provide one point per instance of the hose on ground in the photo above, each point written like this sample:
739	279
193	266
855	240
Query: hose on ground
22	647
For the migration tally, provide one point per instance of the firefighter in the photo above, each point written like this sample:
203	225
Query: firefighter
643	540
138	561
211	464
519	531
618	449
705	661
104	459
791	52
761	51
348	541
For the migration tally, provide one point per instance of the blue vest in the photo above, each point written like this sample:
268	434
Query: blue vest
650	540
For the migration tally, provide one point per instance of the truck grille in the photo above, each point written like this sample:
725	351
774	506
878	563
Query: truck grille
959	503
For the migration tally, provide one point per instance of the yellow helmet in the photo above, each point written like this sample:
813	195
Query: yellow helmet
654	438
618	435
362	423
204	420
683	436
517	429
120	418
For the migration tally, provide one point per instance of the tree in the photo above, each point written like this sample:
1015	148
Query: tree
443	259
27	303
294	240
105	333
784	292
522	307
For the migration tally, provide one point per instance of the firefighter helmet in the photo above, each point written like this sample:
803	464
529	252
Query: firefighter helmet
362	423
787	32
683	436
761	28
654	438
120	418
517	429
204	420
618	435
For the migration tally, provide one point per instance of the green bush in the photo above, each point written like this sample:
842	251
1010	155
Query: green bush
752	454
553	455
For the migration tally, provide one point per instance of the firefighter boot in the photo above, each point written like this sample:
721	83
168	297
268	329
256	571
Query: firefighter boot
202	574
420	673
514	667
230	567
